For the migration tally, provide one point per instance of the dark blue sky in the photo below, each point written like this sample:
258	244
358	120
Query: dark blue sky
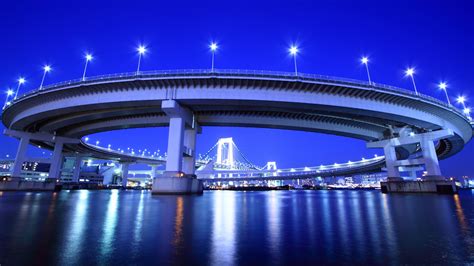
436	37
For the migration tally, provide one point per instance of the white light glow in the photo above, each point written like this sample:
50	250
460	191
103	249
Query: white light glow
442	85
47	68
21	80
461	99
364	60
410	72
141	49
293	50
10	92
213	46
89	57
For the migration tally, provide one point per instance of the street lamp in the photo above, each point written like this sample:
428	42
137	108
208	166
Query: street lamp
88	58
410	72
20	82
9	93
213	46
466	110
443	86
293	51
46	69
365	61
141	51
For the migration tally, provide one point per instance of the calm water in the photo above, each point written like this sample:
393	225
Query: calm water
225	228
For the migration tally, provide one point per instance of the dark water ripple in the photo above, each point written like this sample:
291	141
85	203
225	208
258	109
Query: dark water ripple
229	228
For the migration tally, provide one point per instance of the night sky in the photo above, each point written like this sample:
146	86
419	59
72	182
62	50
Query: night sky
435	37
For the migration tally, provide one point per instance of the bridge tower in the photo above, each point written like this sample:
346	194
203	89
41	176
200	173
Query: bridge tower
225	158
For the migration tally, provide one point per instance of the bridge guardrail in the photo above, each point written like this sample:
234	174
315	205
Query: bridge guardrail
235	72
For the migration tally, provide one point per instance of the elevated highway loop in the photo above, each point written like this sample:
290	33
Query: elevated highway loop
371	112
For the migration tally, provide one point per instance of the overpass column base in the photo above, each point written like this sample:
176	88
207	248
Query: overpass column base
175	183
409	186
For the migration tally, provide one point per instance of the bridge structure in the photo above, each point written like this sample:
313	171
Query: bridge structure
412	129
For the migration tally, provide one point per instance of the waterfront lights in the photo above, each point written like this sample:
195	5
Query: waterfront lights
141	51
20	82
365	61
443	86
411	72
46	68
97	143
88	58
213	46
293	51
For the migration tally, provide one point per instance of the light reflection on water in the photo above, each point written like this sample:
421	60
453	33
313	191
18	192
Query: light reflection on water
109	225
223	229
228	228
75	241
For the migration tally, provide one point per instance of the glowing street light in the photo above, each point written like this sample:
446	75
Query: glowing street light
9	93
443	86
141	51
365	61
46	69
293	51
466	110
20	82
410	72
88	58
213	46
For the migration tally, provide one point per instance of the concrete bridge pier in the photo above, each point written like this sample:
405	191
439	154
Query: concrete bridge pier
15	182
433	181
77	169
124	171
179	177
20	157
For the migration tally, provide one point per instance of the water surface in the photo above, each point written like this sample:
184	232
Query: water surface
227	228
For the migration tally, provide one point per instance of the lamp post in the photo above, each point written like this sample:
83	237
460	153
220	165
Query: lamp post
443	86
9	93
410	72
46	69
213	46
365	61
293	51
466	110
141	51
88	58
20	82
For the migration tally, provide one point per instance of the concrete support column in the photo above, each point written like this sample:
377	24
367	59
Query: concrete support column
56	160
174	160
77	169
125	174
20	157
190	143
153	171
431	160
390	161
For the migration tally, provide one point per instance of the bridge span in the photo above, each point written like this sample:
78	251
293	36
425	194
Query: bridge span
412	129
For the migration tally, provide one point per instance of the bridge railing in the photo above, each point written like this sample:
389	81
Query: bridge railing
237	73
